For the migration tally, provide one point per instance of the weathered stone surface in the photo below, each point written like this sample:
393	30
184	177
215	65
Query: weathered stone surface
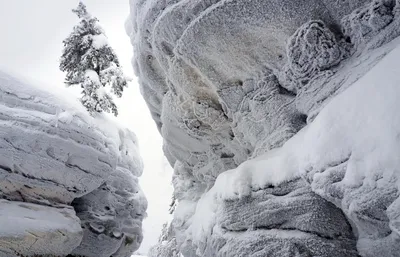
286	220
55	157
112	217
354	164
27	229
227	81
48	154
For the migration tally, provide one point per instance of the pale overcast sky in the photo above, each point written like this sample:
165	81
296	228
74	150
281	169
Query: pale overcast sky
31	34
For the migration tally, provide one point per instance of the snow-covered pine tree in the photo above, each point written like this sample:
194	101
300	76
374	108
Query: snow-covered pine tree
90	62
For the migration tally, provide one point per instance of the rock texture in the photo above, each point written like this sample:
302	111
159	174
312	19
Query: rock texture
358	170
28	229
47	154
288	220
229	81
112	217
63	173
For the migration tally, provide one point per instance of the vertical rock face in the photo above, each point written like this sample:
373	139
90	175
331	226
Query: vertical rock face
68	181
112	214
231	81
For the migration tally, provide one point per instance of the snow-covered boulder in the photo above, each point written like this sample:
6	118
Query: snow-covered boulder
232	86
27	229
49	152
65	175
112	215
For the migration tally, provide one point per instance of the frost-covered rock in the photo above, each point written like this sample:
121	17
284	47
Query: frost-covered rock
350	157
312	49
231	81
55	160
27	229
282	220
48	153
365	23
112	215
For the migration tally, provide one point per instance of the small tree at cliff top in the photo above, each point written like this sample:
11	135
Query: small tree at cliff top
90	62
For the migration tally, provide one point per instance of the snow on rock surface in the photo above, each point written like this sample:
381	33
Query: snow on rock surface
34	229
47	153
350	155
112	217
346	154
257	106
54	158
112	214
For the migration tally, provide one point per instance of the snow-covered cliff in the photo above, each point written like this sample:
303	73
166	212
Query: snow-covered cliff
68	181
279	118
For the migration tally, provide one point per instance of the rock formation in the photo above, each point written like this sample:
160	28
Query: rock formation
68	181
239	90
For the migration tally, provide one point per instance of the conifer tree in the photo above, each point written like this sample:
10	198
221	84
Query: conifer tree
90	62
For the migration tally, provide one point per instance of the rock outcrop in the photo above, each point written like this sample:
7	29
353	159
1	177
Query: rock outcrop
64	174
112	217
229	82
28	229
